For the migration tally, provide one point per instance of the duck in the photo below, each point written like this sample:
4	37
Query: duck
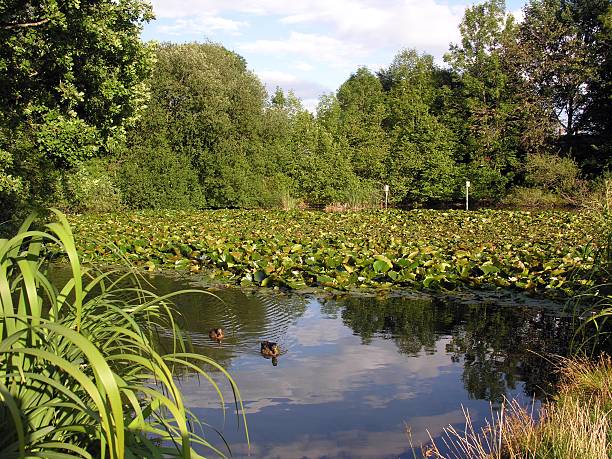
216	334
269	349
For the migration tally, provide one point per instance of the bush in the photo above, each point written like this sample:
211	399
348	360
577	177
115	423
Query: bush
158	178
533	198
551	172
90	188
488	183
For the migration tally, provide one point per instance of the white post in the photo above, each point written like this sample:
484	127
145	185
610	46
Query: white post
467	194
386	188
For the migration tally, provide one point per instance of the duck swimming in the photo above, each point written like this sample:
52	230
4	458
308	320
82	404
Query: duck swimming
269	349
216	334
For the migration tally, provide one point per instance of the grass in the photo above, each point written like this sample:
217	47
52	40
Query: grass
577	424
80	374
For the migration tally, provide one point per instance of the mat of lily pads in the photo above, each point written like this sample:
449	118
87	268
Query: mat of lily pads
549	251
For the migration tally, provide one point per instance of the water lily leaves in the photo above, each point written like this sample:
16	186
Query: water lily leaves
382	264
489	268
149	266
402	262
259	276
372	249
181	264
325	280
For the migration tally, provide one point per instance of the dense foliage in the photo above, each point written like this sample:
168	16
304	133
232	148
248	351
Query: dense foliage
544	252
512	95
72	78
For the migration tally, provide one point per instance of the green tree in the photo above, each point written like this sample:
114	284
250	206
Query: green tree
322	169
564	56
278	165
72	77
208	107
157	178
484	101
362	104
420	165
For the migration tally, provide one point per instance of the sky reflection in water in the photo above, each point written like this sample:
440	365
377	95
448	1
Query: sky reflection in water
355	372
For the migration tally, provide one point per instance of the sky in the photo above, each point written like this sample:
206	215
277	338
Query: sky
313	46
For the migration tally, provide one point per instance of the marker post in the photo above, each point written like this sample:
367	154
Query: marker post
386	188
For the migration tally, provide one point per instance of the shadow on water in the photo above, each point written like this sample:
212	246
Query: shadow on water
356	370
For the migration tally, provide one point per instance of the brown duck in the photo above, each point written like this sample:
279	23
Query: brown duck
216	334
269	349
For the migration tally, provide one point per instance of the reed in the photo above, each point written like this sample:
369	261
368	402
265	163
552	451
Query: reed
576	424
80	374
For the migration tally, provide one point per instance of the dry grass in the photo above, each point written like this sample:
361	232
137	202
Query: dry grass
577	424
347	206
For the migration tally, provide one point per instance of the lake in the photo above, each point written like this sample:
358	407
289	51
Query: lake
357	371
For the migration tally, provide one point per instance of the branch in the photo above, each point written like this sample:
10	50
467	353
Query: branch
24	24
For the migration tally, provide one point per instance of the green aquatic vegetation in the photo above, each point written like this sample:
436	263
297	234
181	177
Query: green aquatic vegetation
81	374
373	249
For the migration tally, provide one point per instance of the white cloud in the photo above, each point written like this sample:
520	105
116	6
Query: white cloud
327	39
303	88
371	444
203	25
315	47
303	66
348	368
310	104
519	15
277	76
366	23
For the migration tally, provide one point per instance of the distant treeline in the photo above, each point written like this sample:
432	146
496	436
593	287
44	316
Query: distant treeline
94	119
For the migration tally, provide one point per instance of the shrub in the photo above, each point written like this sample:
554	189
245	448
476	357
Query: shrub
158	178
90	188
533	198
488	183
551	172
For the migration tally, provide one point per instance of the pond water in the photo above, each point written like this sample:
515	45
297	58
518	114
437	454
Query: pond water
356	371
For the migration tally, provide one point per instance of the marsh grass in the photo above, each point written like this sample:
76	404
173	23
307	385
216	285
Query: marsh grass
80	374
577	424
592	307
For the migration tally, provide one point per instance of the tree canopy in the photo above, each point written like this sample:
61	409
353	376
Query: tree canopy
72	79
190	126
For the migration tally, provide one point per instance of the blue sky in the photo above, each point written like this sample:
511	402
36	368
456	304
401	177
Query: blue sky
312	46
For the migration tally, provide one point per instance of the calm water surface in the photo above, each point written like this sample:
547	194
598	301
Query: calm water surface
356	372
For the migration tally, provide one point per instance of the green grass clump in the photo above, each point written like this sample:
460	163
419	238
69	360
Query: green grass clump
80	373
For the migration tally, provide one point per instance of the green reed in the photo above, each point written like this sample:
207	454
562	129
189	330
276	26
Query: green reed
80	375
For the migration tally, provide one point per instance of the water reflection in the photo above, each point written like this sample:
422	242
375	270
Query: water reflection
355	371
498	346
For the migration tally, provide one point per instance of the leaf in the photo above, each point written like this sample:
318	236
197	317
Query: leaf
259	276
382	264
489	268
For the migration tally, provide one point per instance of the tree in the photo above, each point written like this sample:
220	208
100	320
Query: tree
362	103
420	164
208	107
552	59
484	99
564	60
72	78
76	68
